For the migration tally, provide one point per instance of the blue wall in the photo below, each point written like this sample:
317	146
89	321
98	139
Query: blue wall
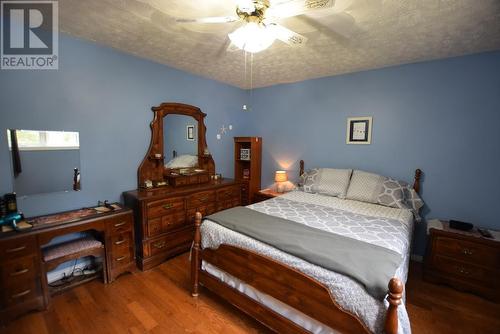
440	116
107	96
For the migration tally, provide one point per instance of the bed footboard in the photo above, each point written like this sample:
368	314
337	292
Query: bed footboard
282	282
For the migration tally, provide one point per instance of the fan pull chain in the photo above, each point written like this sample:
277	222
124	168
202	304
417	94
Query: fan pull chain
251	78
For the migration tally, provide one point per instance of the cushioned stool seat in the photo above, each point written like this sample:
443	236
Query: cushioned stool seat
71	247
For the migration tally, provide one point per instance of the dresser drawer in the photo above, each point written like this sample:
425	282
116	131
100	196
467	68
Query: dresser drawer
229	193
200	199
18	272
165	207
170	241
223	205
166	223
120	224
467	251
204	210
465	270
17	247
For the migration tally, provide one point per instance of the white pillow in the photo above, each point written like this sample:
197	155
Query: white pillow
327	181
183	161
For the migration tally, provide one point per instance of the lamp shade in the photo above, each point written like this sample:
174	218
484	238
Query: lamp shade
280	176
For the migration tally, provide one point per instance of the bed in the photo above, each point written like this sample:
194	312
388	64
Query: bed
291	295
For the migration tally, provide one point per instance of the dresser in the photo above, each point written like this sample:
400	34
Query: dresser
465	260
164	217
23	267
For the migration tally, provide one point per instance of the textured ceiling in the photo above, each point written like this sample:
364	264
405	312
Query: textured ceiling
384	33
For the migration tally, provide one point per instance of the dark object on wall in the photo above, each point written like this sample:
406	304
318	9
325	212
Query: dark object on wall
248	166
462	226
76	180
16	158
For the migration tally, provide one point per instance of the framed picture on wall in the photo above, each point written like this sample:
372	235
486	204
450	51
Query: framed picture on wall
359	130
190	132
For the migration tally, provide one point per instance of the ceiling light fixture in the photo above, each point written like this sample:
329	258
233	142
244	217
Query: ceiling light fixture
253	37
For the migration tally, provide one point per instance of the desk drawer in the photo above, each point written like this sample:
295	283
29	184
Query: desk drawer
202	198
165	207
170	241
166	223
120	224
467	251
19	271
18	247
21	292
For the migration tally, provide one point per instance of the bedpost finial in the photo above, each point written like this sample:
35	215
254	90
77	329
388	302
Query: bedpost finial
396	288
418	173
197	218
301	164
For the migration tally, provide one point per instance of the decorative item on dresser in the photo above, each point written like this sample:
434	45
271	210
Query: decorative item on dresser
24	263
463	259
165	213
248	165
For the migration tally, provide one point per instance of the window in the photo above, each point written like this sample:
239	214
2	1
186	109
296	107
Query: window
33	140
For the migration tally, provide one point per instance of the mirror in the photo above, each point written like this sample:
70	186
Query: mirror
44	161
180	141
181	128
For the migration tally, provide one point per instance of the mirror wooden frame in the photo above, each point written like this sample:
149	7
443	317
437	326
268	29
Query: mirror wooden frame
152	166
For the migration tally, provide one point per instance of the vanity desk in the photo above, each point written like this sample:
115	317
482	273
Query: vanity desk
25	259
175	180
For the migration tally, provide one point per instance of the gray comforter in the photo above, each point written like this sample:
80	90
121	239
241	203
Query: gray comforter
371	265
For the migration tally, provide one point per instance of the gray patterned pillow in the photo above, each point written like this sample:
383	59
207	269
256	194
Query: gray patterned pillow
327	181
413	202
393	193
377	189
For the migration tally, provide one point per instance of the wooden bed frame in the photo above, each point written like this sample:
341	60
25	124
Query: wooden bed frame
284	283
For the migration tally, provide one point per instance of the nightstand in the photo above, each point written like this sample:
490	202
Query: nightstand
264	194
465	260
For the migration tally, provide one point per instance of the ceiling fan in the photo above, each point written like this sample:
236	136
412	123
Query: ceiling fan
259	17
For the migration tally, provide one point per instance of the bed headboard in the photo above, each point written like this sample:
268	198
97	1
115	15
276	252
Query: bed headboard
416	180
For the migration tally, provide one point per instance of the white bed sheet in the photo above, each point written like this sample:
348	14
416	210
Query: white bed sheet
349	294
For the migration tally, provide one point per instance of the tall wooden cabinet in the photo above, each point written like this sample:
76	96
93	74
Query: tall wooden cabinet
248	166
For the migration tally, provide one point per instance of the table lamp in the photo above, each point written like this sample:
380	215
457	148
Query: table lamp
280	178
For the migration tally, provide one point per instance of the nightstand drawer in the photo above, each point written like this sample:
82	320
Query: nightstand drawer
465	270
467	251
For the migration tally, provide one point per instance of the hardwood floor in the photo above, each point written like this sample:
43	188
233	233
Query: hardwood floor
157	301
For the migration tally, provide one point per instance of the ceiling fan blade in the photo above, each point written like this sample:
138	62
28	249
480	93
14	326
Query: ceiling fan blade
287	36
219	19
289	8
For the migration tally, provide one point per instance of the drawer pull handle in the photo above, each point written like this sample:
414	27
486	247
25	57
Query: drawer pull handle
121	258
463	271
21	294
119	242
19	272
168	206
467	251
159	244
120	224
18	249
203	199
